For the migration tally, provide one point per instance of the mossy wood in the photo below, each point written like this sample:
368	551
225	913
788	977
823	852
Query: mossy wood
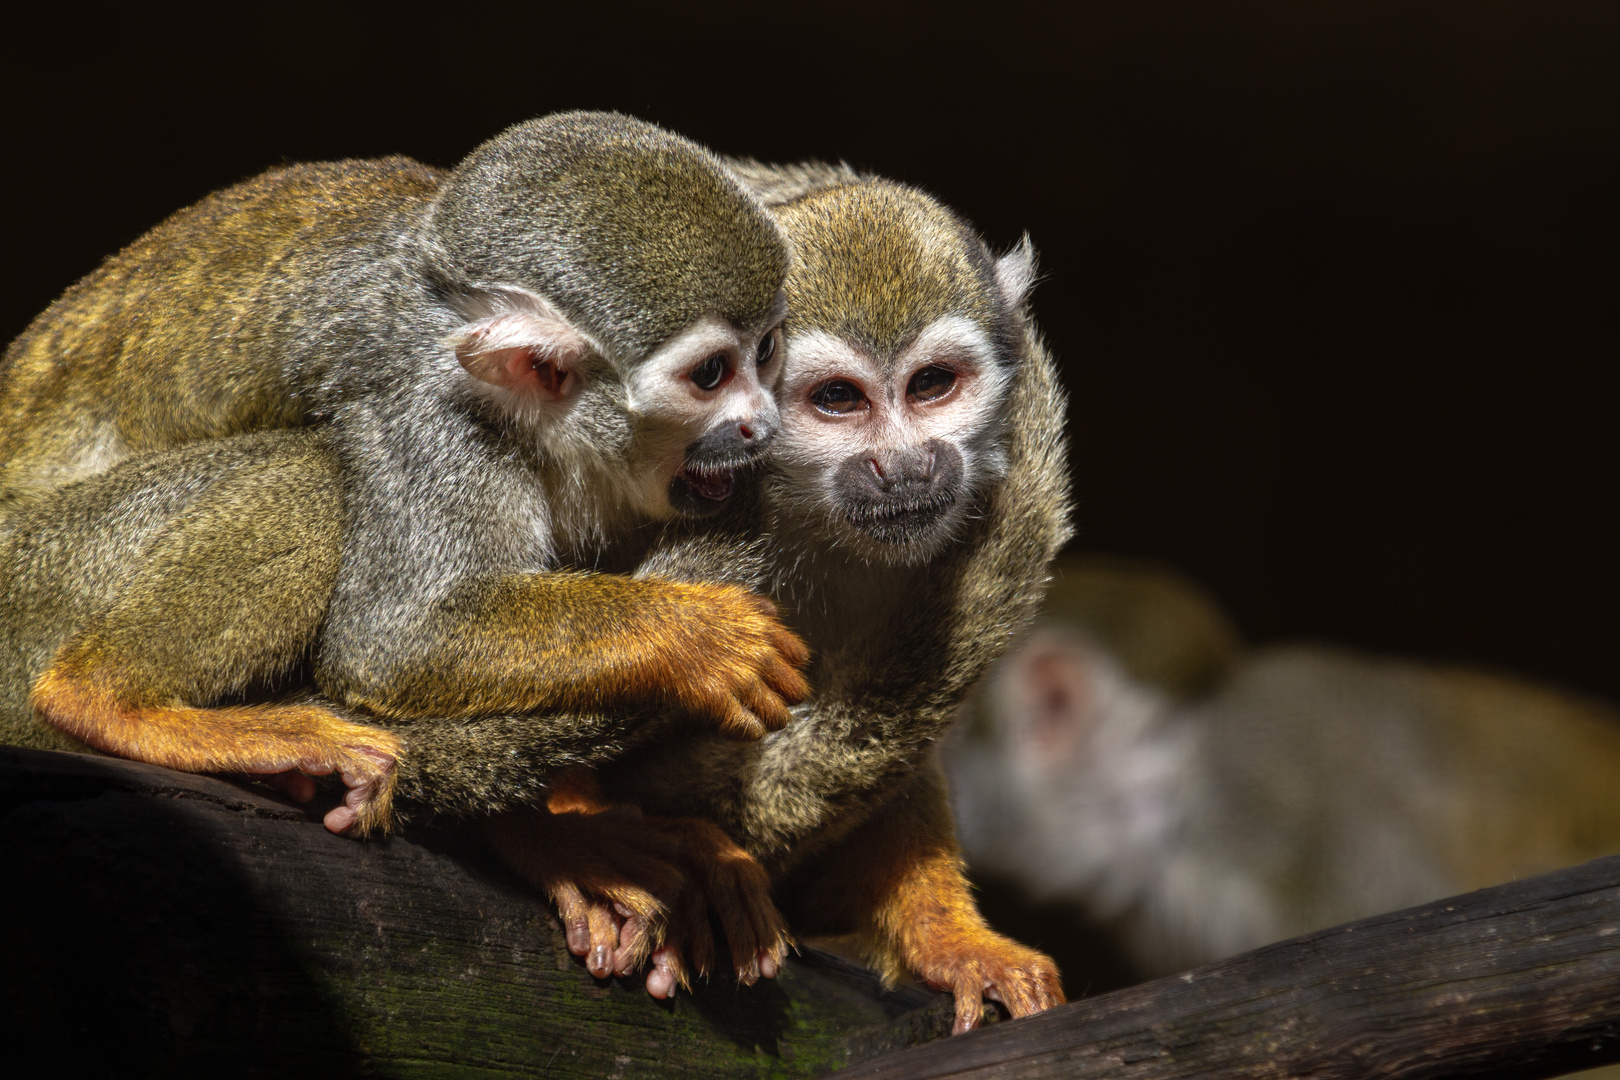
163	924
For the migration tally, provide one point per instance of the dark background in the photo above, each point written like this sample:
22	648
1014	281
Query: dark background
1334	284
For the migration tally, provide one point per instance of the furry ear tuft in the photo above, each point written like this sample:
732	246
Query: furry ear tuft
525	352
1015	273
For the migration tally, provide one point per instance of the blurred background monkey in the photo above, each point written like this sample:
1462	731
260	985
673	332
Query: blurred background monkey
504	394
1128	759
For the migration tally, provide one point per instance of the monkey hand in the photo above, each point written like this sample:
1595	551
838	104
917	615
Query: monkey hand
974	963
727	657
634	891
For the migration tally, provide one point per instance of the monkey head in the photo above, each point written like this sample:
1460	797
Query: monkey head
621	295
902	340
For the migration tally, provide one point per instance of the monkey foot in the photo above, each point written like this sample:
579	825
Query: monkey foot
367	772
991	966
729	884
638	892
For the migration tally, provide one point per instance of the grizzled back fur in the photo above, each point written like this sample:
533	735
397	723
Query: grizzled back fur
597	212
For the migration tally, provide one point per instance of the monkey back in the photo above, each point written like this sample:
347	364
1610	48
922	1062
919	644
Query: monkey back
311	290
598	212
187	334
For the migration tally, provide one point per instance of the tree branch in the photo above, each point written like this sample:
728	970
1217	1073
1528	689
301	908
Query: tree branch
1522	980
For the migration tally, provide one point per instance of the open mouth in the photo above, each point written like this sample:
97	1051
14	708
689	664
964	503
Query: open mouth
708	483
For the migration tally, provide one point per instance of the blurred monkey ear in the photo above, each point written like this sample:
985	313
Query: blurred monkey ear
1015	273
530	353
1051	684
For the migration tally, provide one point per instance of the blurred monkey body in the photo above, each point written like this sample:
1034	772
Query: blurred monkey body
519	366
1306	787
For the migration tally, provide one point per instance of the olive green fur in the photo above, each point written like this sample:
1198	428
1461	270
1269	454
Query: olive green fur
681	230
186	334
329	294
207	568
210	568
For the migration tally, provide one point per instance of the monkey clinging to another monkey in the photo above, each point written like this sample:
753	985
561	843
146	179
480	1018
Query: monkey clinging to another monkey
918	496
517	365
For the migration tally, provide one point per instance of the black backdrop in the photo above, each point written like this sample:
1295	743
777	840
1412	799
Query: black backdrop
1334	284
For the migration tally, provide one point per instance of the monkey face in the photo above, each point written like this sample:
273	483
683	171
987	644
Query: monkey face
703	407
666	431
892	450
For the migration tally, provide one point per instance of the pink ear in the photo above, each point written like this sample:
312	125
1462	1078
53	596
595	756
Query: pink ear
1054	692
525	352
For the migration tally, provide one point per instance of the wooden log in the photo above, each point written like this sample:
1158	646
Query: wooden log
1522	980
155	923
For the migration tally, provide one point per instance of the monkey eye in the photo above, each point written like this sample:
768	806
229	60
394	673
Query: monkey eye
767	348
838	397
710	373
931	383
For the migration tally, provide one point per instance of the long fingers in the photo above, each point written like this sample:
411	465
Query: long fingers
968	990
783	676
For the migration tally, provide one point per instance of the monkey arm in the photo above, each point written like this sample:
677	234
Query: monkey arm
898	882
445	605
525	643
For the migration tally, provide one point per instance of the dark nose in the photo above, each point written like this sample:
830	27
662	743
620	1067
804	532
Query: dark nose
902	471
904	468
731	440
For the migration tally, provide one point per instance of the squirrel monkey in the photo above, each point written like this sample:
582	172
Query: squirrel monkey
911	575
207	569
1301	788
917	491
517	364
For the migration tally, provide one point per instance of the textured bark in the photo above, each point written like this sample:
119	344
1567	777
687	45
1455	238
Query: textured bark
1522	980
163	924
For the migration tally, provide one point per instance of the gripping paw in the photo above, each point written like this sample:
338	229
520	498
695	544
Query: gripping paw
636	892
737	663
997	968
726	885
367	771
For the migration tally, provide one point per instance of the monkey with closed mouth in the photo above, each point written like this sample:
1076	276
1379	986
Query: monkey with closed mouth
916	494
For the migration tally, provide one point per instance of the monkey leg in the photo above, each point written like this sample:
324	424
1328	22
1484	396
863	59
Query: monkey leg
526	643
899	881
87	702
631	888
228	594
